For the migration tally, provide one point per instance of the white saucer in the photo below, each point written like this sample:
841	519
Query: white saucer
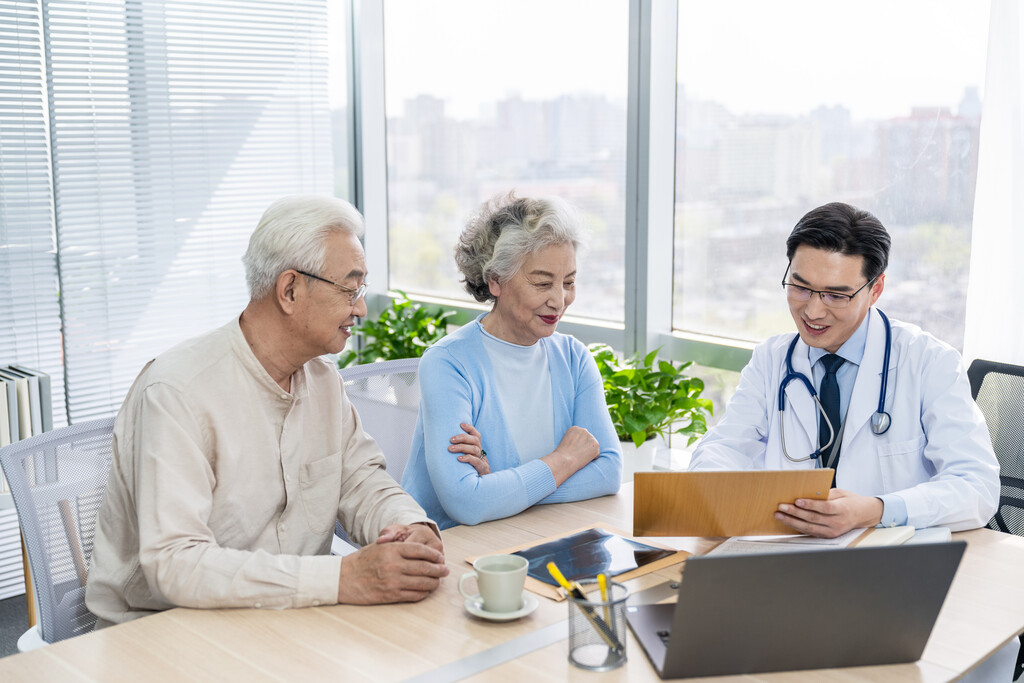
475	606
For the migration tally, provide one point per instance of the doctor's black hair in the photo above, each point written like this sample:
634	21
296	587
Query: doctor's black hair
845	229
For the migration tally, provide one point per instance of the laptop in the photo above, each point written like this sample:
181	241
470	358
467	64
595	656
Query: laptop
740	614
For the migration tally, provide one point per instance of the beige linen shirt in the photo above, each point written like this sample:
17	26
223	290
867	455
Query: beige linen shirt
224	488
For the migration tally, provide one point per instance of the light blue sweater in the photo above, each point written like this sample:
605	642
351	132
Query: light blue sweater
457	385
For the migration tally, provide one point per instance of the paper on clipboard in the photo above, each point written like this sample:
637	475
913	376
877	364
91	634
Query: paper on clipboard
729	503
556	593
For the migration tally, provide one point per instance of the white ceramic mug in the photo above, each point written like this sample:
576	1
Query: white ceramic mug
500	579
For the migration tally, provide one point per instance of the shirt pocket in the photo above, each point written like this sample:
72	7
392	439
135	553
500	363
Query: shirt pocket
902	463
320	491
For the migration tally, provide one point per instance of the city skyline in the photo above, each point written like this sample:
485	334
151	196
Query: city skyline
741	182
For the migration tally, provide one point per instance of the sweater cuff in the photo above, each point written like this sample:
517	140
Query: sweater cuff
539	481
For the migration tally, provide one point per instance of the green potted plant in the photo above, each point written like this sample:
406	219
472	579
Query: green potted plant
403	330
650	398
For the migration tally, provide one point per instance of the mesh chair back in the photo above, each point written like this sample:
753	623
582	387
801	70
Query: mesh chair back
387	396
57	480
998	389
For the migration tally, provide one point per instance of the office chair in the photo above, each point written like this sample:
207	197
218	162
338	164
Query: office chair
57	481
387	396
998	389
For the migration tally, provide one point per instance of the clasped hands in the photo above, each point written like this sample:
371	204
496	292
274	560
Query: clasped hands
405	564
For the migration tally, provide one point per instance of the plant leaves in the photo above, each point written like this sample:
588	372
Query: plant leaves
649	396
405	329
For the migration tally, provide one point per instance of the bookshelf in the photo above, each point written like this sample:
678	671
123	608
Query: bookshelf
26	409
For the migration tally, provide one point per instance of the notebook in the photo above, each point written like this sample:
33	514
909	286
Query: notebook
893	535
740	614
861	538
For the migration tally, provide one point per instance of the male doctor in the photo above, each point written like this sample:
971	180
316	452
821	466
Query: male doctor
932	466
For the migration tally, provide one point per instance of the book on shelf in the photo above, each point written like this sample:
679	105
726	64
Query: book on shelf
35	412
42	380
8	386
5	422
22	402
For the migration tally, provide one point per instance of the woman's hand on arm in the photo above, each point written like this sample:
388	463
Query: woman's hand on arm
469	444
577	448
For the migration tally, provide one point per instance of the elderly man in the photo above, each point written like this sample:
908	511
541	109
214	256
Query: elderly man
234	453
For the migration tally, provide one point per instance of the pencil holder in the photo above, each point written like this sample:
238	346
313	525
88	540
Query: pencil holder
597	628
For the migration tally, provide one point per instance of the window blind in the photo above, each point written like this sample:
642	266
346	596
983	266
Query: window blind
29	305
174	125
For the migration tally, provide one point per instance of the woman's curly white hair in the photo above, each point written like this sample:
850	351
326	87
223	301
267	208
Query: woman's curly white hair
505	231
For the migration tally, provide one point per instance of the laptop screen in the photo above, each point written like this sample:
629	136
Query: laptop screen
806	610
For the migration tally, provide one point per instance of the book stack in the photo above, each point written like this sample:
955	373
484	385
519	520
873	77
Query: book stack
25	410
25	405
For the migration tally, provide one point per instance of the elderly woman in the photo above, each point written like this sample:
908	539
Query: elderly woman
512	413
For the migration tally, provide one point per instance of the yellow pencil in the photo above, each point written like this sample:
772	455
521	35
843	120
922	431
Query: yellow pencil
602	582
575	591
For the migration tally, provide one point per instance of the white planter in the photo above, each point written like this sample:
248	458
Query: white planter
639	459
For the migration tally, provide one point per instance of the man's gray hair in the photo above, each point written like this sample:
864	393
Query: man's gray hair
506	230
292	234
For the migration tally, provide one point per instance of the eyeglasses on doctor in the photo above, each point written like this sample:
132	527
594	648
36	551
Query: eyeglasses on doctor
830	299
354	295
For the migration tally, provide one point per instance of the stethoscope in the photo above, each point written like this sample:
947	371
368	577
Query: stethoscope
880	421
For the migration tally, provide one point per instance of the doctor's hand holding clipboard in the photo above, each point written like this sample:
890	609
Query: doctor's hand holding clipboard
843	511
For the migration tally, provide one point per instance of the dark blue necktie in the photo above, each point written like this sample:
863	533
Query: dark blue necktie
828	394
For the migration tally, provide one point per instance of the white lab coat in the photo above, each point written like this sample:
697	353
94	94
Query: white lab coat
937	455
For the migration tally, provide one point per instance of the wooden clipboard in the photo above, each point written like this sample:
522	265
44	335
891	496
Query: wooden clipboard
740	503
557	594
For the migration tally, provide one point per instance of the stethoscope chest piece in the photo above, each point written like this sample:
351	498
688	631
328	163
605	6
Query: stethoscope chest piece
880	423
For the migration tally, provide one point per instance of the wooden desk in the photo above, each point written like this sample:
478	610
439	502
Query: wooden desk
984	610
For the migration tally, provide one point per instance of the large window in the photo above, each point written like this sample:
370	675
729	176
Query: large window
488	97
783	106
141	143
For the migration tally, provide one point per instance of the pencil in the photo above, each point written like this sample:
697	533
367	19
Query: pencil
576	592
602	582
